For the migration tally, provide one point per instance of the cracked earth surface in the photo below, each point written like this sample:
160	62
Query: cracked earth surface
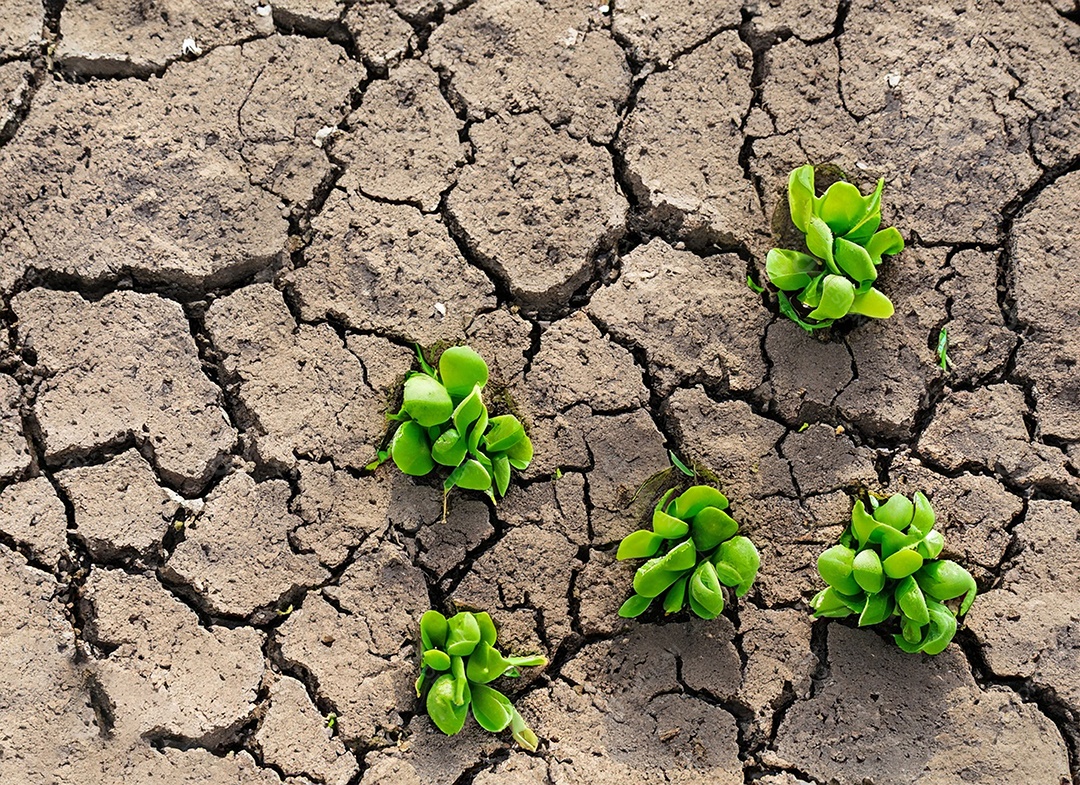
214	264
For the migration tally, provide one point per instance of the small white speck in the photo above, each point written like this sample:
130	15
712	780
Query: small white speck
323	134
190	48
572	37
861	166
263	9
440	309
605	9
892	79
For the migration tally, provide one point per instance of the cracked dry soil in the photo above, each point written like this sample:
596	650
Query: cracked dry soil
213	268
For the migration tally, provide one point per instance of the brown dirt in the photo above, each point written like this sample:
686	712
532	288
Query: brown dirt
214	266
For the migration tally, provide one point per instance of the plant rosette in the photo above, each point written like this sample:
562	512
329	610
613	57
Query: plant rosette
693	550
886	566
836	277
461	651
445	422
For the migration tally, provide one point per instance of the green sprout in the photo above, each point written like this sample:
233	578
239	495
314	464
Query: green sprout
943	350
444	421
837	276
699	553
462	651
886	566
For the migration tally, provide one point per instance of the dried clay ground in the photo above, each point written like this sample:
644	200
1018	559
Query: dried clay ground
213	269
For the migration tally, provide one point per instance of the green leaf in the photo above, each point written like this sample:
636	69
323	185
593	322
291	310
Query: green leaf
448	716
419	685
423	361
461	368
437	660
668	526
635	606
500	465
528	661
854	260
682	467
827	604
754	287
641	544
711	527
943	349
461	681
411	449
811	295
426	401
472	476
449	449
801	196
788	310
476	432
897	512
705	588
922	521
728	575
819	239
862	523
492	710
885	243
695	499
682	557
871	220
521	454
463	634
872	303
521	732
485	664
877	609
866	568
700	610
942	628
835	566
790	270
947	580
503	433
842	207
433	630
469	410
931	545
652	578
675	597
837	295
911	601
487	628
902	563
741	554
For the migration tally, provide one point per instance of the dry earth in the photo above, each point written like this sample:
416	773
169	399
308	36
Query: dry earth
214	261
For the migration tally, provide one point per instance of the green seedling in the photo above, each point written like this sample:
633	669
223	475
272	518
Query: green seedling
943	350
460	652
692	551
885	566
682	467
445	422
835	276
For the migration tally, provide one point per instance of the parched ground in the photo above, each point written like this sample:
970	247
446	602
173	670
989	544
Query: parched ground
215	258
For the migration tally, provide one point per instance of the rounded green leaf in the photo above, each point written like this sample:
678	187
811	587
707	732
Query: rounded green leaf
521	454
682	557
711	527
468	411
837	294
635	606
946	580
828	604
433	630
902	563
485	664
897	512
854	260
872	303
411	449
910	598
728	575
651	578
885	243
668	526
842	206
437	660
700	610
923	519
835	566
641	544
819	239
741	554
449	449
931	545
866	226
460	369
790	271
705	588
942	628
463	634
492	710
500	470
473	476
877	609
801	196
503	433
487	628
695	499
427	401
867	571
676	595
448	716
862	523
